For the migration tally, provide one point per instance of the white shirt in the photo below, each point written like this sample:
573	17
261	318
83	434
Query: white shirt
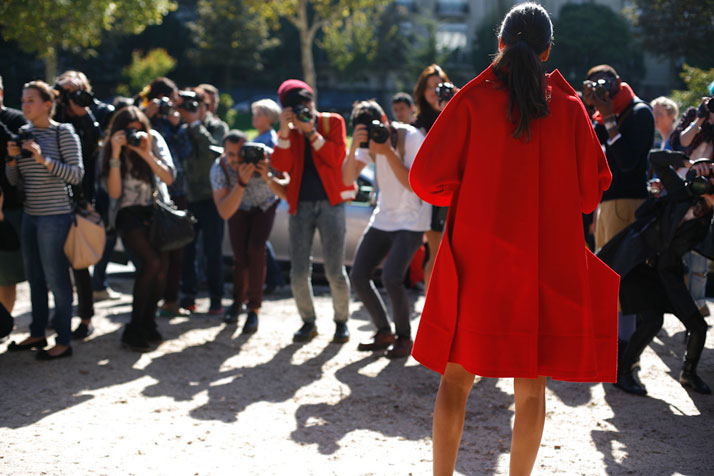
397	207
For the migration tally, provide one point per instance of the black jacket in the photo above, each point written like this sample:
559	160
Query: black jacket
648	253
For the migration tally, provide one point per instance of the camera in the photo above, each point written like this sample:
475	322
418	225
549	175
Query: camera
165	106
80	97
21	138
700	184
189	101
303	113
602	87
445	91
252	152
132	137
377	131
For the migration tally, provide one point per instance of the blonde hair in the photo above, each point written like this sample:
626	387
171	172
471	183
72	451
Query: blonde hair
268	108
79	76
668	105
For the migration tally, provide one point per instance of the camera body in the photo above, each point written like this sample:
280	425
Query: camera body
445	91
80	97
21	138
252	152
189	101
603	87
132	137
302	113
377	131
700	185
165	106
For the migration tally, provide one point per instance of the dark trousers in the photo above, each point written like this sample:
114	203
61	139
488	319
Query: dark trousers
398	247
173	275
249	231
85	299
210	230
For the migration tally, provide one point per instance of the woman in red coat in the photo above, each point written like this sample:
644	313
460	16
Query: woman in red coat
514	292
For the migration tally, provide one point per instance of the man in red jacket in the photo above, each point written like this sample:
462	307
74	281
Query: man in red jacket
311	148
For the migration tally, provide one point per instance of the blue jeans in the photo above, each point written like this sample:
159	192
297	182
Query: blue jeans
46	266
329	221
210	229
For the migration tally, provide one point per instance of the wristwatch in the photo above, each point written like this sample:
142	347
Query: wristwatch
48	161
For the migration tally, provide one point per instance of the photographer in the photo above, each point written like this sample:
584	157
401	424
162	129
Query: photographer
73	107
210	119
46	158
135	162
694	135
624	125
9	242
311	148
11	268
397	224
241	183
429	105
648	256
160	98
200	202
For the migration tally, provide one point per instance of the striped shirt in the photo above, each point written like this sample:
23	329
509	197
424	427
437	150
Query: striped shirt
45	191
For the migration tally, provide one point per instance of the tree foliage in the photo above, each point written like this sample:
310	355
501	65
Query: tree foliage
345	23
43	27
589	34
145	68
697	81
676	28
231	39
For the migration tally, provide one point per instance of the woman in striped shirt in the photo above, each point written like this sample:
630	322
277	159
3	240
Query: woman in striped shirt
45	164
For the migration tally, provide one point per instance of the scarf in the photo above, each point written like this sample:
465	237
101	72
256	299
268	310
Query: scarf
619	102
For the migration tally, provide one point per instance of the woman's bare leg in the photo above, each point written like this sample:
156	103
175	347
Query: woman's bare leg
7	297
528	425
433	239
449	413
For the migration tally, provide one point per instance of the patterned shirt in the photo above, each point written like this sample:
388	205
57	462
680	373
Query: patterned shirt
256	194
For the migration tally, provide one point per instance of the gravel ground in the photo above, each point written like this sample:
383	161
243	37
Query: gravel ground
210	401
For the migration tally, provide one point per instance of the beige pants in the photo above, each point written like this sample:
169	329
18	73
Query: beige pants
612	216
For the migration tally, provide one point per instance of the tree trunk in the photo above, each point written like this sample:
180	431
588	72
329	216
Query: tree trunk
50	59
306	38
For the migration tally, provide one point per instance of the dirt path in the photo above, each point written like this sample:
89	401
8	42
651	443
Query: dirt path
211	402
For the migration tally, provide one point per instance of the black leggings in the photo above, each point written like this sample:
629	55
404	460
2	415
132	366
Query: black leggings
151	267
85	299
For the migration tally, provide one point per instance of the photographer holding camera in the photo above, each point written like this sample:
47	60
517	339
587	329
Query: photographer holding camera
397	224
46	157
200	202
210	119
11	268
694	134
241	183
429	105
624	125
311	148
648	256
135	163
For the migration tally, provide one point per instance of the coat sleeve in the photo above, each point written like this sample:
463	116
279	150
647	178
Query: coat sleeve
436	171
331	150
594	175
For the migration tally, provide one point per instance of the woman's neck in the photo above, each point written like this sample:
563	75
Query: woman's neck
43	122
262	131
666	132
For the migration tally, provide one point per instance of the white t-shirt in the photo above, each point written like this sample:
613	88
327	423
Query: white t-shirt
397	208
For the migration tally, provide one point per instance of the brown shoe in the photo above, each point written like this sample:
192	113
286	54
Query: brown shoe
380	341
401	348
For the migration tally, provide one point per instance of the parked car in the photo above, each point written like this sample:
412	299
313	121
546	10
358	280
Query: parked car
357	214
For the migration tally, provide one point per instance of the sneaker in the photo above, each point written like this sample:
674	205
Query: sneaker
306	333
106	294
251	323
231	314
82	331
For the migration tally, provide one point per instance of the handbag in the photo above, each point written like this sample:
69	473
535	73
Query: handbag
87	236
86	239
171	228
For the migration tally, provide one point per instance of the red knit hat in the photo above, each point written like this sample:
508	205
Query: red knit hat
294	87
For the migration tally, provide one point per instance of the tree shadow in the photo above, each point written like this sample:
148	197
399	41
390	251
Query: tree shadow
398	402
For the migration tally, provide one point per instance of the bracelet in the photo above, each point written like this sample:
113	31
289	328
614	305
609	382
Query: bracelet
240	182
114	163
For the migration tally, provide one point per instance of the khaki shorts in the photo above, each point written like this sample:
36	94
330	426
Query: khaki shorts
612	216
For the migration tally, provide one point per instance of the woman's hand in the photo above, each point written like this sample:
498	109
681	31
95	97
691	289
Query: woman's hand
245	171
35	149
13	150
144	148
703	169
118	141
286	118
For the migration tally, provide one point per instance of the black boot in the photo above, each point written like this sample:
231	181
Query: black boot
628	382
689	377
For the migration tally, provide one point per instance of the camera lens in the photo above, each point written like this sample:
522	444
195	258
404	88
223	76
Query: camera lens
133	138
378	132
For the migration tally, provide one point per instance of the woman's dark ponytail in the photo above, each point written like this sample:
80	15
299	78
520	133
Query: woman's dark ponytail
526	33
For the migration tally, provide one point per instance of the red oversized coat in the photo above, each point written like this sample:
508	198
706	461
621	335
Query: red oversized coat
514	292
